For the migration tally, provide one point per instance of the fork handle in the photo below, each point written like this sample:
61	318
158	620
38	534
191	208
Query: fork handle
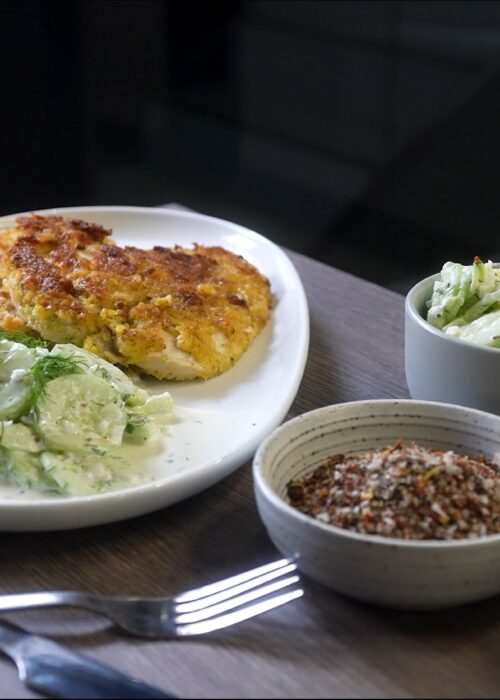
51	599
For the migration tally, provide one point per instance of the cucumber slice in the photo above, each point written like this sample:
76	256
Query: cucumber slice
14	356
145	422
77	474
16	436
103	369
23	469
15	398
15	381
78	411
159	406
66	473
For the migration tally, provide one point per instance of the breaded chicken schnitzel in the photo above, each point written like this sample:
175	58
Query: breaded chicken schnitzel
174	313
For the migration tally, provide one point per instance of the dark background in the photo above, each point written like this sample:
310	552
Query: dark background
364	134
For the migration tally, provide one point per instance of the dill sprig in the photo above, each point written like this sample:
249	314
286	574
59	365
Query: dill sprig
24	339
46	369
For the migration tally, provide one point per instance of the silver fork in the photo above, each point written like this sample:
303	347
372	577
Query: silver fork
193	612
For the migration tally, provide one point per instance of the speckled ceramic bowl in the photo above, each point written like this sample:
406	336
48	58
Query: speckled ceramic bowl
442	368
390	572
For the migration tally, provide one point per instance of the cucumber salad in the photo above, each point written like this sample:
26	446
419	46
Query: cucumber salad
66	416
465	302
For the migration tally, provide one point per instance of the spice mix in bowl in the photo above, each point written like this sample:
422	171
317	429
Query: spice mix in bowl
392	502
405	491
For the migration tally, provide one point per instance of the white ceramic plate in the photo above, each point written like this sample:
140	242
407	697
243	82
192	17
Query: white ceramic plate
217	424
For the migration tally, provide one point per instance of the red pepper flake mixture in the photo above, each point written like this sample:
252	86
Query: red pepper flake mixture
408	492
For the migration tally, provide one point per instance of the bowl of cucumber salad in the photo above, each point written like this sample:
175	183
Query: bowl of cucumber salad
68	419
465	302
452	336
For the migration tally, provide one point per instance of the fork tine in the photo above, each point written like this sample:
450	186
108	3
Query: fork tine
233	591
235	602
234	617
197	593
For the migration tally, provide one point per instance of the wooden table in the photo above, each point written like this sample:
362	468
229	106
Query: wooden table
321	646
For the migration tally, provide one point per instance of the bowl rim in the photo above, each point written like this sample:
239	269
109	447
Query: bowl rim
416	316
261	484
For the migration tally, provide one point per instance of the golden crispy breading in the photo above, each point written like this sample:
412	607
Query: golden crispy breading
174	313
9	319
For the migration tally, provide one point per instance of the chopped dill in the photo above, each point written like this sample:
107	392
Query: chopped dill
104	373
50	367
19	337
134	422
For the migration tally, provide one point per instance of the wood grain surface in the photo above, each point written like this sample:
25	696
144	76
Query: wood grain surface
322	646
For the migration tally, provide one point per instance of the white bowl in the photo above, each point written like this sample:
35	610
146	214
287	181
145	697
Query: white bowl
442	368
390	572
